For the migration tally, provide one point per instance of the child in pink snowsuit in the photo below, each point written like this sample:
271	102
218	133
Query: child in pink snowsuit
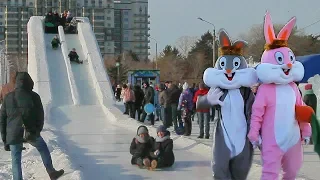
273	112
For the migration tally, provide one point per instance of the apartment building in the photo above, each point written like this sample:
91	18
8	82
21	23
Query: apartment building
120	26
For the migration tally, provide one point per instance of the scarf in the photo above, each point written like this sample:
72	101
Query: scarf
143	140
159	139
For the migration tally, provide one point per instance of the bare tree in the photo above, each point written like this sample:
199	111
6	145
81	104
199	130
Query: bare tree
185	44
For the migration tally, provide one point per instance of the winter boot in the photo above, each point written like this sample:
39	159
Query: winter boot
140	162
54	175
154	165
146	162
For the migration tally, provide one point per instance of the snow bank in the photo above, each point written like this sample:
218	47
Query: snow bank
64	48
32	164
96	64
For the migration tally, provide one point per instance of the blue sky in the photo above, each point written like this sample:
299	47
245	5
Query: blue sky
171	19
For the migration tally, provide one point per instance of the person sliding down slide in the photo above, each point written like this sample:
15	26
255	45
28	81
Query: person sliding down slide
73	56
55	42
276	105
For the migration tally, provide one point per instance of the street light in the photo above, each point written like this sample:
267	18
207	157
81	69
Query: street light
118	72
156	50
214	40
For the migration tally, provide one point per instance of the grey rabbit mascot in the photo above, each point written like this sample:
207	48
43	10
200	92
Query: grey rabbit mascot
230	81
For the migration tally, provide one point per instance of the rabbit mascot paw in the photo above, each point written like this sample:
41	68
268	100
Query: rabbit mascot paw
230	81
274	112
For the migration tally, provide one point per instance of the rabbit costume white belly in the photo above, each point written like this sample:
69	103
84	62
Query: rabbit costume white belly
229	81
234	122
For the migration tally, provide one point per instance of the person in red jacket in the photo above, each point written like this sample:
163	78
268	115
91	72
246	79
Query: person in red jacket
203	114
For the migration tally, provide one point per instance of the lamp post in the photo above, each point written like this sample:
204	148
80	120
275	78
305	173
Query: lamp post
118	72
214	40
156	50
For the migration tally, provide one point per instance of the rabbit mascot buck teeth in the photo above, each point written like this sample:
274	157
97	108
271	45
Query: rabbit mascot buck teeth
274	112
230	81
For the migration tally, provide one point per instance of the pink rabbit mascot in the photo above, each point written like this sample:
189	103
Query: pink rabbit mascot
273	112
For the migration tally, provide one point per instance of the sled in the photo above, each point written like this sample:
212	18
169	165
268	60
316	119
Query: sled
49	24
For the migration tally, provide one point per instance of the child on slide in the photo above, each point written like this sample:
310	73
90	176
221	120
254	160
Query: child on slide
73	56
163	149
140	148
55	42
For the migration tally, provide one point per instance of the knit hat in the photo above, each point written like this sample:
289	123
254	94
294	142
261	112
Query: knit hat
142	130
161	128
308	87
185	86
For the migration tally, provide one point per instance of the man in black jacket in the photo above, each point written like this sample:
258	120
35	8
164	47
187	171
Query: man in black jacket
21	120
148	98
173	95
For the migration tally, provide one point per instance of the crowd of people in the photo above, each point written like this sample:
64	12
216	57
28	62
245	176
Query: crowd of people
53	20
175	105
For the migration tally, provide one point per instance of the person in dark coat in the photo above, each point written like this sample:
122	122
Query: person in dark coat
310	99
148	98
118	93
21	120
139	94
141	146
73	56
173	95
56	18
163	155
55	42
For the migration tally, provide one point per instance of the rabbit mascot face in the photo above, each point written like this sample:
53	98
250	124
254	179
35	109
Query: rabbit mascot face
278	62
276	105
231	70
229	83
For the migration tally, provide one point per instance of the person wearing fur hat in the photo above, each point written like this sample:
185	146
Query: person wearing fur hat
186	105
163	149
140	148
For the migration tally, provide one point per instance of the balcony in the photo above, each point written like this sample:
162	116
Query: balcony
142	47
141	15
141	28
142	21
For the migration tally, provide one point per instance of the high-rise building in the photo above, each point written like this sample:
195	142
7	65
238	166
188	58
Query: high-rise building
120	26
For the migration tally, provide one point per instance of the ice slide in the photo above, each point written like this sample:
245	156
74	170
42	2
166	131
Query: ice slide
80	109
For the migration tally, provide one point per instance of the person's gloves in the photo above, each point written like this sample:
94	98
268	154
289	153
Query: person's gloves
157	152
306	140
6	147
214	95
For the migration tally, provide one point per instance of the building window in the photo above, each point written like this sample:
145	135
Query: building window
109	25
126	26
125	44
125	19
108	18
126	39
109	11
126	13
126	32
